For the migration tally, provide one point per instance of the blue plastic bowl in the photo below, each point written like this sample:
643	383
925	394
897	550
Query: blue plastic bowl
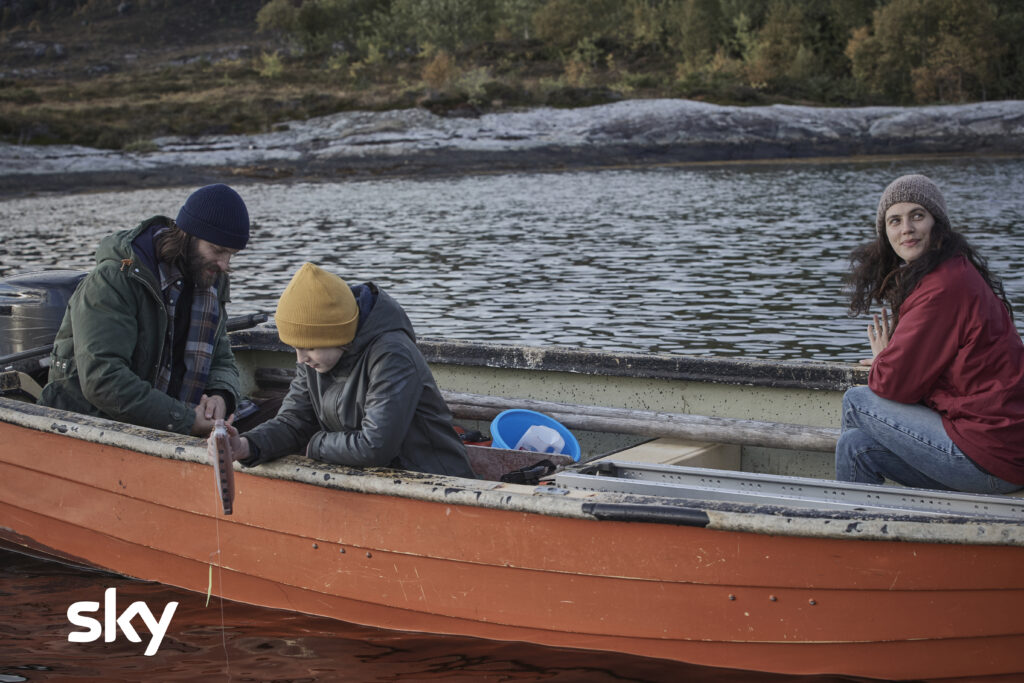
510	425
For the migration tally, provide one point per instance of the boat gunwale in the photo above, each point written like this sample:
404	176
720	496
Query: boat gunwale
542	500
785	374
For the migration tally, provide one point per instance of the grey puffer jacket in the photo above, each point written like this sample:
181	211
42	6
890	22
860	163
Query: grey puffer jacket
378	407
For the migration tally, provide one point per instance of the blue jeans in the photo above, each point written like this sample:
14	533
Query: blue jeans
883	439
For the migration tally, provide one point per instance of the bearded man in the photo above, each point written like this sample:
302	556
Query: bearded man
144	337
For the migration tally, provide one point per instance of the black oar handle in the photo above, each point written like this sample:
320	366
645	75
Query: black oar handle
244	322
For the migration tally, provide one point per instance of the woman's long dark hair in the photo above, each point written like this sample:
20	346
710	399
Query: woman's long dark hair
878	275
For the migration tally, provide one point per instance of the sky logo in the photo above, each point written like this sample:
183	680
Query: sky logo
112	621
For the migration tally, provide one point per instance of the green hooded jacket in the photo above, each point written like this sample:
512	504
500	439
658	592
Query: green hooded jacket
110	343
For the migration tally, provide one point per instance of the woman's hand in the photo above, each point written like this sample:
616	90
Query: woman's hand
878	335
239	445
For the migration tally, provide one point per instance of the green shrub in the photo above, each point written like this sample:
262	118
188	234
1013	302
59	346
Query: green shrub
270	65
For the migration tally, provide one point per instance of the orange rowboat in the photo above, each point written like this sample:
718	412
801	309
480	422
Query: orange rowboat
643	549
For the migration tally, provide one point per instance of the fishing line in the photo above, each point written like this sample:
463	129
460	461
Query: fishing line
224	473
209	590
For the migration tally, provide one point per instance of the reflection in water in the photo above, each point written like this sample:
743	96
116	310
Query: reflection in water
234	642
725	260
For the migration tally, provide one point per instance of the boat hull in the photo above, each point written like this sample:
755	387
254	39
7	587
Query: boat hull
418	554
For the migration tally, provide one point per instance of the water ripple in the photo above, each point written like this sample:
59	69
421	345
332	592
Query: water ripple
725	260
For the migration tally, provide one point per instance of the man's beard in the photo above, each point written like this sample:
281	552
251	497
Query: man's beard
198	269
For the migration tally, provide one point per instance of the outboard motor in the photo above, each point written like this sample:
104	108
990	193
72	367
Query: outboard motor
32	306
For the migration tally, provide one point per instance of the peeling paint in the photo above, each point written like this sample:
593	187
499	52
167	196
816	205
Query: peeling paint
746	372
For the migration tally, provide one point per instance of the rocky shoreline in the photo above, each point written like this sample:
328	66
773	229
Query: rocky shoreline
417	142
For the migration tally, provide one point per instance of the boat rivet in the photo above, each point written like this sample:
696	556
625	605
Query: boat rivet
369	554
812	602
341	550
772	598
731	596
315	546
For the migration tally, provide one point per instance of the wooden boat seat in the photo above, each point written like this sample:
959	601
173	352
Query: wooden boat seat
672	451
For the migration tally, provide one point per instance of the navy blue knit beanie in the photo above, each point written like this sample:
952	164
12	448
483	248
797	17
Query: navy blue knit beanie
217	214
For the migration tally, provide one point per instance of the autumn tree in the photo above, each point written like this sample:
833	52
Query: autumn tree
1008	70
847	51
697	29
927	50
563	24
446	24
961	59
320	26
781	50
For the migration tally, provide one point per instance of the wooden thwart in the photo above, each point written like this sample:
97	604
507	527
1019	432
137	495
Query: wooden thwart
653	424
624	421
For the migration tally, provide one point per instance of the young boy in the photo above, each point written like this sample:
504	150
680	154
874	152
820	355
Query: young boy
363	395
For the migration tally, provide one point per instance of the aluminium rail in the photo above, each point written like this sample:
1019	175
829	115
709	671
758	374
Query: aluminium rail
695	483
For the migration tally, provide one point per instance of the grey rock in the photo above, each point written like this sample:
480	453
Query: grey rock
636	131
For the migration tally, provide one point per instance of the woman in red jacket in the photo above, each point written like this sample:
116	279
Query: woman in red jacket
944	405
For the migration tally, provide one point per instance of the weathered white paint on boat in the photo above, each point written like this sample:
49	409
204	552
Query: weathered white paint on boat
770	520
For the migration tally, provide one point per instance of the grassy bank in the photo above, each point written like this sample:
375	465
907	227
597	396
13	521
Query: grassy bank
118	81
115	74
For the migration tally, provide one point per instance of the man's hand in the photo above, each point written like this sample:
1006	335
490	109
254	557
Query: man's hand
209	410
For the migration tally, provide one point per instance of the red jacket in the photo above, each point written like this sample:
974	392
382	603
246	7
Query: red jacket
955	349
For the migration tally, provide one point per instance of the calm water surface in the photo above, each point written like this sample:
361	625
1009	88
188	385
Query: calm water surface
726	260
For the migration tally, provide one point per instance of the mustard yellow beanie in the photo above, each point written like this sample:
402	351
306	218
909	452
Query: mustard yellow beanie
316	310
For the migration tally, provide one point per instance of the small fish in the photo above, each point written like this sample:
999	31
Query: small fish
224	473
